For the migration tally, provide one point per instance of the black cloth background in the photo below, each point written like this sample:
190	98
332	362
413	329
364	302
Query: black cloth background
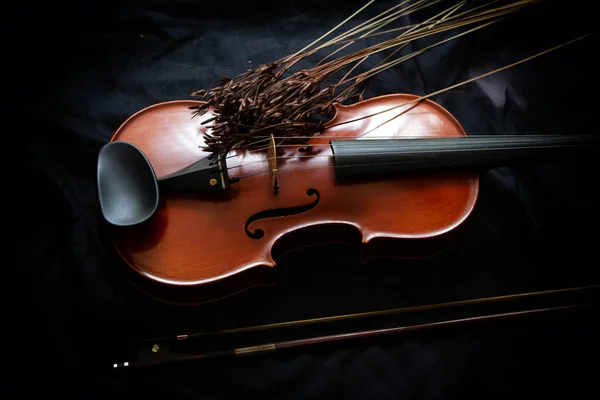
76	71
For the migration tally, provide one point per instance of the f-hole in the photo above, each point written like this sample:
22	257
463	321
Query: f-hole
281	212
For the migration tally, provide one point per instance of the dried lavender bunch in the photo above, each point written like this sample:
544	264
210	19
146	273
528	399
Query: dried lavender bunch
271	99
261	101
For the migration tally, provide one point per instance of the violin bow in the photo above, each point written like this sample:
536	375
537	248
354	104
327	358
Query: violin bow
157	351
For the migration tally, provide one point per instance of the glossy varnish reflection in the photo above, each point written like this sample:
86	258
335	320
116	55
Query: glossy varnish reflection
196	241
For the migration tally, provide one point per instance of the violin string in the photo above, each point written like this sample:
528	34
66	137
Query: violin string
332	137
293	169
309	145
406	136
391	153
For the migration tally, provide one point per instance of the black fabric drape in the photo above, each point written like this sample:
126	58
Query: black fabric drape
76	71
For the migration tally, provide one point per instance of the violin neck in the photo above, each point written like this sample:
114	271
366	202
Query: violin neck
376	157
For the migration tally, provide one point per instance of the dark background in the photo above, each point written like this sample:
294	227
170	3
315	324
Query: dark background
75	71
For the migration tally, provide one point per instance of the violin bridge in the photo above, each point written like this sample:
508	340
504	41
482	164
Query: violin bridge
272	153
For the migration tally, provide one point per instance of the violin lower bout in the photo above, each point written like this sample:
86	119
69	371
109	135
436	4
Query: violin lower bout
197	250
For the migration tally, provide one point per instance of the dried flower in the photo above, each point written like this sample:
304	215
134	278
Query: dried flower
270	99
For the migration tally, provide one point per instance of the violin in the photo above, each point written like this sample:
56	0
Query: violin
392	175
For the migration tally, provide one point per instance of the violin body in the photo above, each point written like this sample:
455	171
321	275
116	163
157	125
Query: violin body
200	247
